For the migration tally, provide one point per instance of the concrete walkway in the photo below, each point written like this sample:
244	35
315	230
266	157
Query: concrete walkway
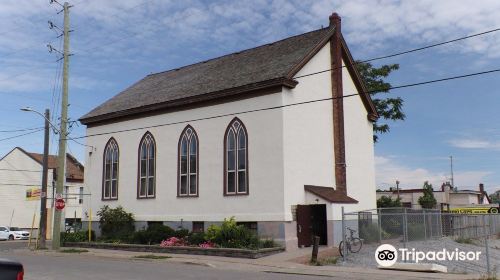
280	263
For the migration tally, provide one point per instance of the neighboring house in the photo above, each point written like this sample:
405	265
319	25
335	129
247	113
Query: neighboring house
173	147
20	185
447	198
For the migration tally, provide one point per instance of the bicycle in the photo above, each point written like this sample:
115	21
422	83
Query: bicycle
353	244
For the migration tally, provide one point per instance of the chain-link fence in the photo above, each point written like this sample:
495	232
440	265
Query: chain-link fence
426	230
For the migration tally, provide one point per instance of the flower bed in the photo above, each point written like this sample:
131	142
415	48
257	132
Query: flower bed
222	252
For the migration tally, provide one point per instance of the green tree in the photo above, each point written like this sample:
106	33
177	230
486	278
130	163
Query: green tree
428	200
495	197
115	223
389	109
387	201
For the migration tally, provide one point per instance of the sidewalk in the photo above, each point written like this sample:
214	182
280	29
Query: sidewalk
280	263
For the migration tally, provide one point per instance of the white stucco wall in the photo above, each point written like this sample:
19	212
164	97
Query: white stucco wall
307	133
265	199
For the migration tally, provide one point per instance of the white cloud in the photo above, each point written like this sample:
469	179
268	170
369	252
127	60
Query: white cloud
388	170
475	144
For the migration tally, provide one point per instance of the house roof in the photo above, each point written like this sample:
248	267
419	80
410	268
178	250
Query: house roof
330	194
74	169
239	74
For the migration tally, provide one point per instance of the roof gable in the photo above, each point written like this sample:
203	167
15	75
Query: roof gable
237	74
74	169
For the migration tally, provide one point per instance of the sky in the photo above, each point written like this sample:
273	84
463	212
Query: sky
116	43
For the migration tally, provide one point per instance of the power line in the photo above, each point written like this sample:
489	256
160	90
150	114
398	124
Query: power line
20	129
20	170
406	52
20	135
292	104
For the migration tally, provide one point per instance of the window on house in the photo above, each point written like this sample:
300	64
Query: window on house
236	159
80	196
188	163
147	155
198	227
110	178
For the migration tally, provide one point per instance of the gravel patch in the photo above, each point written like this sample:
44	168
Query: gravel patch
366	257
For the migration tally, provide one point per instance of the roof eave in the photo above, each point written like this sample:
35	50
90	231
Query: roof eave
189	101
358	82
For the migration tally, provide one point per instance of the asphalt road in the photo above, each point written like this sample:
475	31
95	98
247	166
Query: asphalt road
11	244
81	267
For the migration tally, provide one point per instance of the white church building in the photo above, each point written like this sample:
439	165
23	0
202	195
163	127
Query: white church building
264	135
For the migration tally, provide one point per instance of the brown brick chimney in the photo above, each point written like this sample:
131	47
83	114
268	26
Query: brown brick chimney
338	104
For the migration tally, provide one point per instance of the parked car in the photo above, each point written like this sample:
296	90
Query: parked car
4	234
14	233
11	270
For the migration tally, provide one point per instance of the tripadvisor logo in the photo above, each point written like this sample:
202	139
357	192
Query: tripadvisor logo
387	255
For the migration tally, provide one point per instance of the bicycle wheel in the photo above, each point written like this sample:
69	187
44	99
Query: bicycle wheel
356	245
341	248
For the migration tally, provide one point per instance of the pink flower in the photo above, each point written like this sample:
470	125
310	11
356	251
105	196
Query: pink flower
173	241
207	244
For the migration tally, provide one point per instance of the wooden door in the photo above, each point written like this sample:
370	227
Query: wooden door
304	225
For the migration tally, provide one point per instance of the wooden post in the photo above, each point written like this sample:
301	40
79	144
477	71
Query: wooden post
314	257
32	226
90	224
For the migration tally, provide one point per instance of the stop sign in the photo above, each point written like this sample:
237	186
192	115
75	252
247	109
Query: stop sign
60	204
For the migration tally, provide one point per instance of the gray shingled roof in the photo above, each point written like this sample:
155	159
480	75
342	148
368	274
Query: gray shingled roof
264	63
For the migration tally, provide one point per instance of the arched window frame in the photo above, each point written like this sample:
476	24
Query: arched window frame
236	126
113	173
150	142
190	135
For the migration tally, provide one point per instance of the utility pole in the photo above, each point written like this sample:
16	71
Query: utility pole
61	156
451	167
397	187
43	199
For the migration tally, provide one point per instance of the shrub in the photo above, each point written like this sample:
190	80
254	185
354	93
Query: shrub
116	223
181	233
267	243
231	235
369	233
79	236
195	238
464	240
154	234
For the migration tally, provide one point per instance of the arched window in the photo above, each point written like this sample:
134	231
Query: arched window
188	163
236	159
110	170
147	163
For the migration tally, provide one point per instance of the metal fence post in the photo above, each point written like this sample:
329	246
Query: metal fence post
425	226
343	236
379	225
487	257
430	227
440	224
405	228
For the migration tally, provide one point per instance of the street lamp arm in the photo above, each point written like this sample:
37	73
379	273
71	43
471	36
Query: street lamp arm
29	109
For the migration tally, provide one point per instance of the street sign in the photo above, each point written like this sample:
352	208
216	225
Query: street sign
58	196
60	204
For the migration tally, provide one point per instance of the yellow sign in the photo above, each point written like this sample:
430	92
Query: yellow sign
33	194
475	210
